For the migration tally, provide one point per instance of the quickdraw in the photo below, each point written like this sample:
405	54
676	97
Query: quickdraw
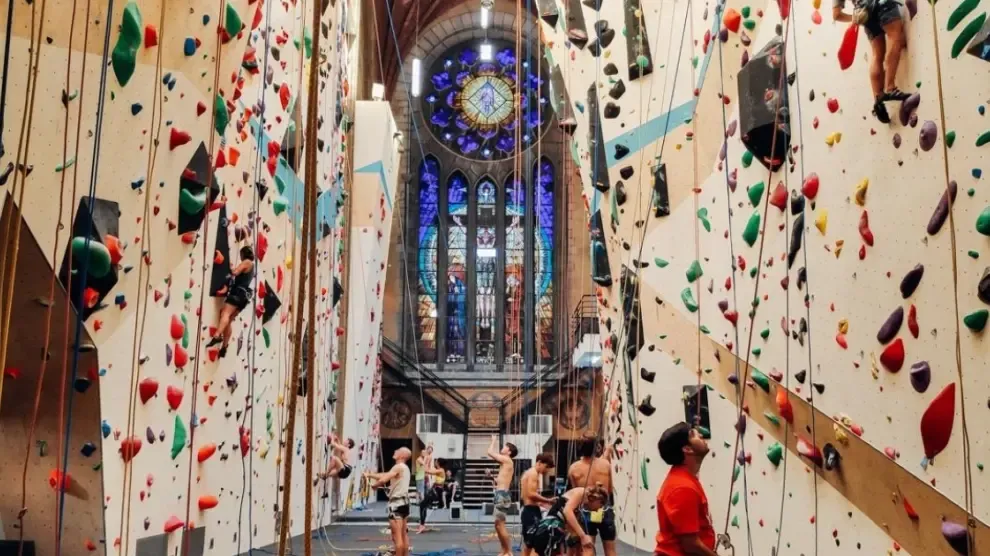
723	541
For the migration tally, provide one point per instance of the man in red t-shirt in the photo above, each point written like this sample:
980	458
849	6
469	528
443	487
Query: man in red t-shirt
682	507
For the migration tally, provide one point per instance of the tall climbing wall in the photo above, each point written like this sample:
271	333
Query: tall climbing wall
185	136
376	166
758	233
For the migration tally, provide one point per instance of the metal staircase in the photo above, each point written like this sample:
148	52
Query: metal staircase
479	486
445	400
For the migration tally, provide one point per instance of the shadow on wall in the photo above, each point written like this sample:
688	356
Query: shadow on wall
83	506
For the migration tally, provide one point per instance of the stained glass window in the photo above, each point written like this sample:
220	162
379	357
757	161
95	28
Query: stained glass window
515	243
457	212
486	257
543	176
429	187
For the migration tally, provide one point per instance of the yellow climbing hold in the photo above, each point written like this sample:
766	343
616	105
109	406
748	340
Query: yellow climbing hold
843	326
833	138
817	4
861	188
840	433
263	449
838	247
821	221
288	262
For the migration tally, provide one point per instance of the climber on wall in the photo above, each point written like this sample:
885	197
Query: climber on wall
238	297
339	460
685	523
884	27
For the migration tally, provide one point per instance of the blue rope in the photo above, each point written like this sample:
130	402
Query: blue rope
93	175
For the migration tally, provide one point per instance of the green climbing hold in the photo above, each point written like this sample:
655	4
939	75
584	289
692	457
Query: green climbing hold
765	333
775	453
266	337
694	271
124	54
735	498
771	418
642	472
178	437
704	432
757	351
756	193
95	257
983	222
735	470
232	21
967	34
703	216
642	61
279	205
660	262
752	230
761	380
688	298
735	521
962	10
970	192
279	184
977	320
973	254
747	159
745	11
983	139
979	466
268	421
677	361
187	295
68	164
704	329
220	116
185	331
192	203
308	43
752	272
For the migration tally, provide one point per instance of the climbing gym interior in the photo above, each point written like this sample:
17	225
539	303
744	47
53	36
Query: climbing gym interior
248	243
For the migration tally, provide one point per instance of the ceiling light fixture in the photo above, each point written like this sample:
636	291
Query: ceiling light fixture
417	77
486	52
485	14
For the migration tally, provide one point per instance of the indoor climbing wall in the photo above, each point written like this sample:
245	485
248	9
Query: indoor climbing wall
784	265
376	166
185	136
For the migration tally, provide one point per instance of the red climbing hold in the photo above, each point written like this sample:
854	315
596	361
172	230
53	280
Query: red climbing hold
262	290
245	441
58	481
785	8
218	257
115	247
176	328
937	421
732	19
90	545
129	447
810	186
181	358
808	449
284	95
913	321
893	356
840	339
910	509
90	298
172	524
279	279
221	159
779	196
177	138
147	389
207	501
847	50
864	229
731	316
833	105
335	365
205	451
262	246
174	396
784	406
150	36
200	108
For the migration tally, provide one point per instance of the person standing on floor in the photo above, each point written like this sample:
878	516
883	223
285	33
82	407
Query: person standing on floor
589	471
423	462
533	501
398	498
685	523
503	497
433	494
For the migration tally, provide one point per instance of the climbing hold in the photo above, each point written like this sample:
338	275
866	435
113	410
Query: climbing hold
983	288
189	46
982	222
150	36
821	221
207	501
937	421
755	193
92	255
967	34
87	449
60	482
891	326
752	230
847	48
911	280
176	328
205	451
928	135
892	357
942	210
921	376
181	357
810	186
124	55
977	320
913	321
775	452
129	447
760	379
279	205
147	389
192	203
907	108
784	406
694	271
779	197
173	524
220	119
860	194
174	396
832	457
808	449
232	21
864	229
646	406
178	437
764	110
688	298
177	138
956	535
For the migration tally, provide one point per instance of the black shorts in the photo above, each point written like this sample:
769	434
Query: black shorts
529	518
884	12
344	472
238	298
398	512
605	529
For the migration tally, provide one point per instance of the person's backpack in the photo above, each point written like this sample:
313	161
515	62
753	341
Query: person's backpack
547	535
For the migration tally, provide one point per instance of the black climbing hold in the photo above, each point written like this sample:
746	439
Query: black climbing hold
612	111
561	102
980	45
723	305
620	193
646	406
608	324
819	387
764	116
595	48
661	198
593	4
648	376
621	151
219	272
791	77
338	291
550	14
193	184
983	288
801	375
81	384
942	209
891	326
911	280
610	69
104	221
578	37
271	303
596	142
606	37
262	190
626	172
638	52
601	271
601	186
629	290
802	277
617	90
832	457
797	202
87	449
797	232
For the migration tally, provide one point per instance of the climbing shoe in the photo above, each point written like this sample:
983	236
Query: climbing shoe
895	94
880	111
223	351
214	341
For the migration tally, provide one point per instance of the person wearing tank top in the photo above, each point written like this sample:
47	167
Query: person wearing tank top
398	498
237	294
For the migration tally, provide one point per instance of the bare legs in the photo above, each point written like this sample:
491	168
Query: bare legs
503	537
896	42
609	548
335	466
224	330
399	536
879	46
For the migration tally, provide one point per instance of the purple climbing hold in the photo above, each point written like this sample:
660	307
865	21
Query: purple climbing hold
928	135
911	280
730	130
942	210
150	434
891	326
897	140
741	424
912	7
983	288
908	107
921	376
957	536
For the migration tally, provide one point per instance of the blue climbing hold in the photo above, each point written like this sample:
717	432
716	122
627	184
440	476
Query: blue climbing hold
119	300
136	184
136	108
206	19
105	428
977	173
166	78
189	46
982	110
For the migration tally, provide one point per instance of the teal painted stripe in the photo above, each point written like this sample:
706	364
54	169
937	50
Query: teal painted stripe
378	167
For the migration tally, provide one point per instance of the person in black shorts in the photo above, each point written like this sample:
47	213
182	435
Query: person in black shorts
238	297
884	26
340	455
532	500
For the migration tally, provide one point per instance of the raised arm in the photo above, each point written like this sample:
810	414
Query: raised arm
493	452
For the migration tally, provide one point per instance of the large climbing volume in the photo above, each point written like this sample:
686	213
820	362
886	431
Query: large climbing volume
763	111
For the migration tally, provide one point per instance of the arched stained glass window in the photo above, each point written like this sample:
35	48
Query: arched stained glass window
515	249
457	271
486	259
543	177
429	188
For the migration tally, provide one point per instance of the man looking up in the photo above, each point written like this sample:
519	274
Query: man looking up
503	498
591	471
398	498
685	524
529	486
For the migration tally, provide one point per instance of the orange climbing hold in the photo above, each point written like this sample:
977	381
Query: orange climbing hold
147	389
90	298
90	545
129	447
784	407
172	524
218	257
115	248
177	329
207	501
910	509
233	155
937	421
188	238
847	49
732	19
892	357
205	452
58	481
174	396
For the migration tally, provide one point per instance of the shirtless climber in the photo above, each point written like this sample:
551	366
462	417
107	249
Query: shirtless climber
339	460
884	27
565	517
592	471
503	498
533	501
